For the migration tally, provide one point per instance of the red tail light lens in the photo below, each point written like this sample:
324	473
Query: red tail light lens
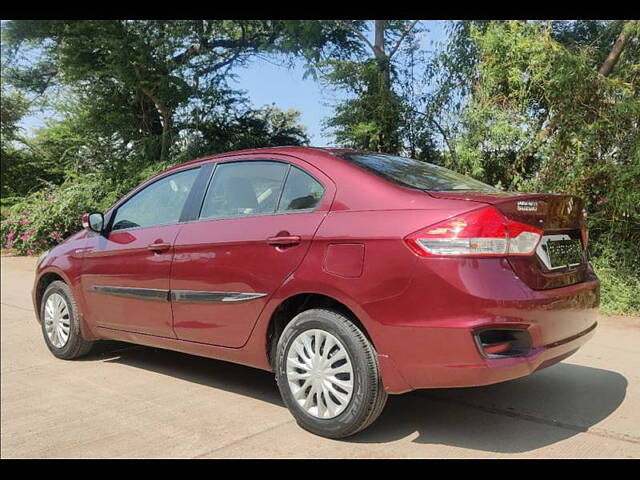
483	232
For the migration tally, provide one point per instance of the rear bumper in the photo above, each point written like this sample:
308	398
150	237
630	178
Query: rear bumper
494	370
431	343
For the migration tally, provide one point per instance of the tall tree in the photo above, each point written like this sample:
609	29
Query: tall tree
14	163
155	68
372	117
544	116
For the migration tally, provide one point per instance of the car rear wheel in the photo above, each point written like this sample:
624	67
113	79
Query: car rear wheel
61	322
328	374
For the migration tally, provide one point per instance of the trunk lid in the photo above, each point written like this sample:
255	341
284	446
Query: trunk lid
561	258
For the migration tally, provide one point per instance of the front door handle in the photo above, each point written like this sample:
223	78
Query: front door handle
159	247
284	241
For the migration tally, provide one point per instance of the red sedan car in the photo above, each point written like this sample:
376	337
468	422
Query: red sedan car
351	275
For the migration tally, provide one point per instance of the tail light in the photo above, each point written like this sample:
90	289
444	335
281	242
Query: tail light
483	232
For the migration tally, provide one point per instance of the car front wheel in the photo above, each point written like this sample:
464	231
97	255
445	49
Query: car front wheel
61	322
328	374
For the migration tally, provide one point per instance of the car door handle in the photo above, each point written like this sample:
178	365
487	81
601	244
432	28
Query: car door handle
284	240
159	247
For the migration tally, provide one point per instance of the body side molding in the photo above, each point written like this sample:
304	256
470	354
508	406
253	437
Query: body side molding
184	296
195	296
132	292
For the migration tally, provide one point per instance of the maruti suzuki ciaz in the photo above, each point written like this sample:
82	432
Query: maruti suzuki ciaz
351	275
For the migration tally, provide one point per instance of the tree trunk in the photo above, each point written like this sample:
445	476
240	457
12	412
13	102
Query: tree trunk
378	46
614	55
381	56
167	125
167	122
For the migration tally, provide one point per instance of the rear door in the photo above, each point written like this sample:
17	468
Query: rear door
256	224
126	271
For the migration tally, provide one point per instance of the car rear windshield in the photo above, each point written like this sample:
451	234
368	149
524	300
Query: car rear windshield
415	173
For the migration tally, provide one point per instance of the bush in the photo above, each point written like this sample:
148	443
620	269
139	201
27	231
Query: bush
43	219
618	268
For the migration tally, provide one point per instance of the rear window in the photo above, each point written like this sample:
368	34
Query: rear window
415	173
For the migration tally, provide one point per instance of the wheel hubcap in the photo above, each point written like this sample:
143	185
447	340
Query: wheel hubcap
320	373
56	320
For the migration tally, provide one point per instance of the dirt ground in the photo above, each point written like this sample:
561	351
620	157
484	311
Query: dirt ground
132	401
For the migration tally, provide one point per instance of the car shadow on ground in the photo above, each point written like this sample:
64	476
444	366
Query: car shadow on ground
547	407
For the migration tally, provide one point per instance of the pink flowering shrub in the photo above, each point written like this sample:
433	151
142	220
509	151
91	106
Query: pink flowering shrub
45	218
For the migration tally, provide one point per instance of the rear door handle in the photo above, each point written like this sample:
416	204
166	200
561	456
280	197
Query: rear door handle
284	240
159	247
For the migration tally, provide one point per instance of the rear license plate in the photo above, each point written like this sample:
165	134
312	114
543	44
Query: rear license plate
563	253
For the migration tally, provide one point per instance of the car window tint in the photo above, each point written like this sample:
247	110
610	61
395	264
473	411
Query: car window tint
158	204
244	188
301	191
416	173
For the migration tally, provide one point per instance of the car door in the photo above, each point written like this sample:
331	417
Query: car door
126	270
257	221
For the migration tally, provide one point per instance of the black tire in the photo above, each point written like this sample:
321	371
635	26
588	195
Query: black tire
76	346
368	398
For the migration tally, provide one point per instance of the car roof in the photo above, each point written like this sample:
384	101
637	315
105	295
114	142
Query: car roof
284	150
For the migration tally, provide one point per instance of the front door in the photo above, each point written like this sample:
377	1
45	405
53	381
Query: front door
126	270
256	224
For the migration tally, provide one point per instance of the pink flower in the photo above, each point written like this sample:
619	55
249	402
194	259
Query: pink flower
30	251
56	235
9	245
24	222
10	235
9	222
24	237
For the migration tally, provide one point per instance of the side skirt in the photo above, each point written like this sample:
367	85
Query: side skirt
235	355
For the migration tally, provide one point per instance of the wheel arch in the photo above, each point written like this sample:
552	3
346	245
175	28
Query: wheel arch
288	308
44	281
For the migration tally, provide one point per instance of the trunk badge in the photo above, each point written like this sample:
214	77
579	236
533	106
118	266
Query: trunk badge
524	206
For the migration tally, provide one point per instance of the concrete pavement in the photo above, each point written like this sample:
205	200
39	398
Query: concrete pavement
131	401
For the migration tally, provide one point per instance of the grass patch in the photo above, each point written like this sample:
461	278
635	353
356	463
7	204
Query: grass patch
619	274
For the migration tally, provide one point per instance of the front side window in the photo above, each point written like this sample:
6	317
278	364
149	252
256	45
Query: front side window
416	174
301	192
160	203
241	189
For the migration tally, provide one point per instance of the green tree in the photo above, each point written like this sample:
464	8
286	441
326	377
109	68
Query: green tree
372	117
15	165
556	108
143	80
243	127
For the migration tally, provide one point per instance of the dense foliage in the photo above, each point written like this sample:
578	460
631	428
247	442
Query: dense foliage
542	117
549	106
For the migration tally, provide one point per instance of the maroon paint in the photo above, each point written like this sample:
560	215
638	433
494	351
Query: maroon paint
419	312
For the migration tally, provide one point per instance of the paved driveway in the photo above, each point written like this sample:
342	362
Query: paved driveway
130	401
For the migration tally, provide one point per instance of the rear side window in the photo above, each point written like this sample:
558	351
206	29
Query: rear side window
244	188
415	173
160	203
301	192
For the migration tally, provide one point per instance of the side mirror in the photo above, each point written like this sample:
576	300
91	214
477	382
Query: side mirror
93	221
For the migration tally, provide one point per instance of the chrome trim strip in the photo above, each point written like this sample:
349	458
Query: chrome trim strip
198	296
572	338
541	251
184	296
132	292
